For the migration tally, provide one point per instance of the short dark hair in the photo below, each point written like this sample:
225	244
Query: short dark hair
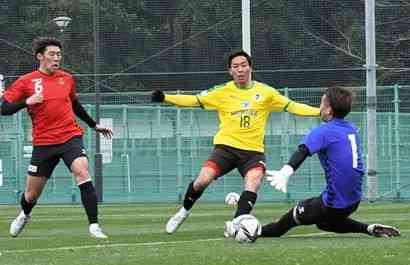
40	44
340	100
239	53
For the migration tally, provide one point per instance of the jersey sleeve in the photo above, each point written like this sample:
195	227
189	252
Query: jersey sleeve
15	92
316	140
73	91
211	98
302	109
182	100
282	103
278	102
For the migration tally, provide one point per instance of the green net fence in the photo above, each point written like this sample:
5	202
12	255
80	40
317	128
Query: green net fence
157	150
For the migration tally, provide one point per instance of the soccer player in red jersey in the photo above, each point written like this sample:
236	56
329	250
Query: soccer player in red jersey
49	94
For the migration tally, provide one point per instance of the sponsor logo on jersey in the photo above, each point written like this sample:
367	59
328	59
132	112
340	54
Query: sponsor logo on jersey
83	152
301	209
32	168
246	104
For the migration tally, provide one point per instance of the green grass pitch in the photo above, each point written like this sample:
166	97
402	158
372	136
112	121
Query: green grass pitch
58	235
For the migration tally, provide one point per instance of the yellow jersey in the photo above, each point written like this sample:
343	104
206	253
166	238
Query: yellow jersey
242	113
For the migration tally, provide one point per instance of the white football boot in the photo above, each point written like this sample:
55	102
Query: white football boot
175	221
96	231
379	230
18	224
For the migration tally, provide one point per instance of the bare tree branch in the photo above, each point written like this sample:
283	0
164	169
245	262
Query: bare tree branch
347	52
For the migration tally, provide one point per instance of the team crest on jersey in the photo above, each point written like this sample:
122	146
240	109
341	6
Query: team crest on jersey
257	97
61	81
246	104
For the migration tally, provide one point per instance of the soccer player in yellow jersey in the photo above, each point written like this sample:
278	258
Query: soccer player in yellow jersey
243	107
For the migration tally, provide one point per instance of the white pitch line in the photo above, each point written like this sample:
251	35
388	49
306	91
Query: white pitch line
7	251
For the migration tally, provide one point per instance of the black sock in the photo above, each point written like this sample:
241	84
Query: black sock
89	200
26	206
347	225
356	226
246	203
285	223
191	196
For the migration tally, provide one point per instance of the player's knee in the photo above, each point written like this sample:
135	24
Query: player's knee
257	171
201	183
253	179
255	174
81	175
204	179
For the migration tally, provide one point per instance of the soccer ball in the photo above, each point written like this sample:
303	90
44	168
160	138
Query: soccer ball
248	228
232	198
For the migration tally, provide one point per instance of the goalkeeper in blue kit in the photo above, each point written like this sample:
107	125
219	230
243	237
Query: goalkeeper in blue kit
338	147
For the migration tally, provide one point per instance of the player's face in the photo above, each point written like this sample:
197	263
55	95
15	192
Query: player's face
50	59
325	109
240	70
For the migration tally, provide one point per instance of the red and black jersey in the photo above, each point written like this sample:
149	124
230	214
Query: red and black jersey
53	119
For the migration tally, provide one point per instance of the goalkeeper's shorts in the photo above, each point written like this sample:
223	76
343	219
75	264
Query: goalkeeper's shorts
314	211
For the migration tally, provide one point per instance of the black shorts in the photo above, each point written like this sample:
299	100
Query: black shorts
314	211
227	158
45	158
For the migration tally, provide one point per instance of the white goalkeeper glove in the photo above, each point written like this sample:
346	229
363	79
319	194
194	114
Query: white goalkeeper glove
279	179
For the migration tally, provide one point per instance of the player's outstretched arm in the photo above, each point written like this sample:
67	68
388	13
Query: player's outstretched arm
302	109
178	100
157	96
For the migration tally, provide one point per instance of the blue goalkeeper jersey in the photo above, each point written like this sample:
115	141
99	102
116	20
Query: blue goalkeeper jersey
338	146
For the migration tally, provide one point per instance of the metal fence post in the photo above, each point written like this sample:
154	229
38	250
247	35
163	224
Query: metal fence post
396	102
178	134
